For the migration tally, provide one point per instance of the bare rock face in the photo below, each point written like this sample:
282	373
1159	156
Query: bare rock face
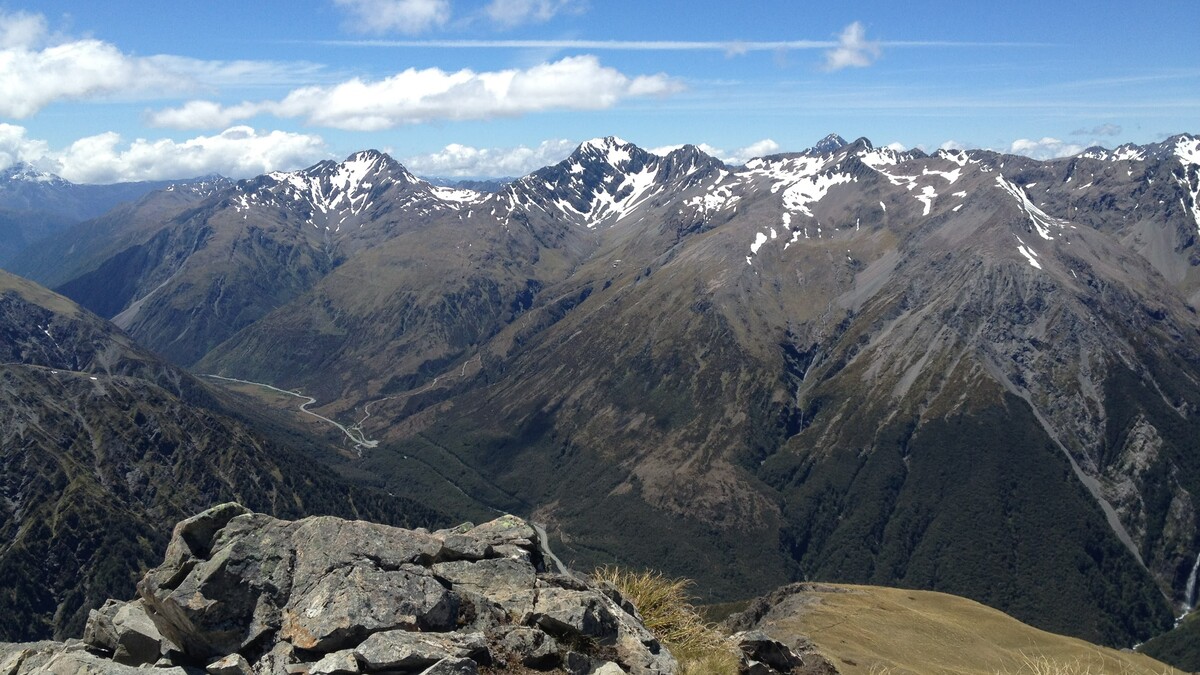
242	593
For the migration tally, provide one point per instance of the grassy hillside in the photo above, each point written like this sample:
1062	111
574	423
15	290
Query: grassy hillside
873	630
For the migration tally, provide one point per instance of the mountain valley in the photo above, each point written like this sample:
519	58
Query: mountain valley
963	371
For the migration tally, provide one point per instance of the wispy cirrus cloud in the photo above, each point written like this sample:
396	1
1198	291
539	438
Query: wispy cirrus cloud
512	13
1101	130
402	16
416	96
852	39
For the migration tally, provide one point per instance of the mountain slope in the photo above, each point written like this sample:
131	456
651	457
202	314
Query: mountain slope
865	629
103	445
35	205
850	363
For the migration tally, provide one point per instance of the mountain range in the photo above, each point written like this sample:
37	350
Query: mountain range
35	204
964	371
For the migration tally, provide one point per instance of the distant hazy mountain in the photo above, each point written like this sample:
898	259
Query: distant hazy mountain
478	185
965	371
35	204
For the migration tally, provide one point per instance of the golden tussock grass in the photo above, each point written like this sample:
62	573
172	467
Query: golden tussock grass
669	614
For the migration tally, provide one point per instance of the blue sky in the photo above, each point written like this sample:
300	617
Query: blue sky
131	90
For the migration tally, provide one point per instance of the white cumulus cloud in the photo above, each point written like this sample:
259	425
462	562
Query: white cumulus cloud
237	152
22	30
736	157
202	115
16	147
459	161
399	16
1044	148
510	13
415	96
38	68
853	50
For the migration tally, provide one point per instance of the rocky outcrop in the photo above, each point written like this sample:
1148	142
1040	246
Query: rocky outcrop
243	593
769	649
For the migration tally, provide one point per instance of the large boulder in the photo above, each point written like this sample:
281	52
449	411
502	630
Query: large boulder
242	593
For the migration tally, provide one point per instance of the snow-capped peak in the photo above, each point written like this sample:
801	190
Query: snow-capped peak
1129	152
26	173
1187	149
610	149
335	194
831	143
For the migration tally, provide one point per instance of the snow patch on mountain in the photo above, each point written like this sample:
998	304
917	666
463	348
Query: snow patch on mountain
717	199
1029	253
1187	149
928	194
1042	223
810	190
877	157
959	157
1127	152
950	176
457	195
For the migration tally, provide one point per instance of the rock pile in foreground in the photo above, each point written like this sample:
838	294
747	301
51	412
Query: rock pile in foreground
243	593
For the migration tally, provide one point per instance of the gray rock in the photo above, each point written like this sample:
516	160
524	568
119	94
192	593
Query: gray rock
348	604
762	648
234	664
478	614
452	666
124	630
325	582
280	660
462	547
253	595
578	664
338	663
138	638
514	552
563	612
506	529
218	605
80	662
99	632
758	668
608	668
11	659
534	648
508	583
402	649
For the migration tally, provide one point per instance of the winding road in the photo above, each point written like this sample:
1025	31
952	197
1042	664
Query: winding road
544	543
354	433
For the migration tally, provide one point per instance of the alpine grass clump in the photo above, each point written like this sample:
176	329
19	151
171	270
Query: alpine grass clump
668	613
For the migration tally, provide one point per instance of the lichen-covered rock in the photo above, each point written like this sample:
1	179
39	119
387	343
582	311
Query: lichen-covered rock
402	649
350	603
337	663
452	666
248	594
234	664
